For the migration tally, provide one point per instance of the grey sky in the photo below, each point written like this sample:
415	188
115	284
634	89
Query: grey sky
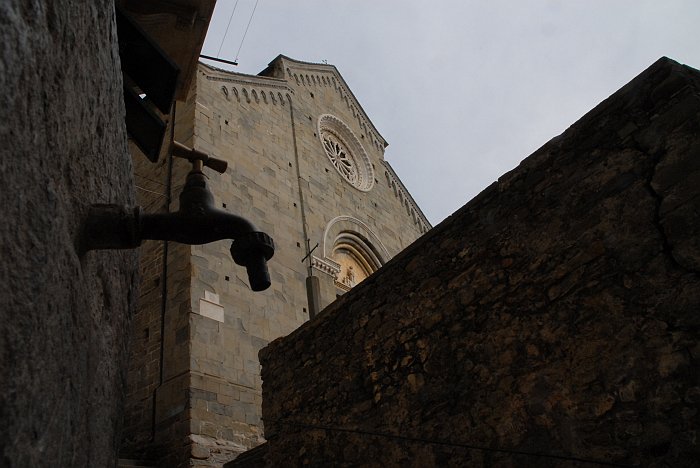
464	90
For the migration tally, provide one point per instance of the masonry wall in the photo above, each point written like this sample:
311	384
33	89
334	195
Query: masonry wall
248	121
64	314
156	418
552	318
389	217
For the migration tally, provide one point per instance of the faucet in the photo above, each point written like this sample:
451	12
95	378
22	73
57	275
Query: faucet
196	222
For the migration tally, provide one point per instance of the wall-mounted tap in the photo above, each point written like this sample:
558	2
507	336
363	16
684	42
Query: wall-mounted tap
196	222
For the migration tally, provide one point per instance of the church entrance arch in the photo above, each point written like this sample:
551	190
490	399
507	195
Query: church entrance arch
355	252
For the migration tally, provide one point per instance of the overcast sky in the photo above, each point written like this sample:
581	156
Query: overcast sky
464	90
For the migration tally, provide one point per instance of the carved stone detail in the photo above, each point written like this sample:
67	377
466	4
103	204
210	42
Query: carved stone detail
405	198
345	152
326	266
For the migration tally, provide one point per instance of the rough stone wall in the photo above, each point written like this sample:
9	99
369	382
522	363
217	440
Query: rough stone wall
554	314
144	358
64	314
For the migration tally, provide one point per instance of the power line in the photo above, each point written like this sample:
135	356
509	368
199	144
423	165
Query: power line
149	191
227	26
452	444
246	30
150	180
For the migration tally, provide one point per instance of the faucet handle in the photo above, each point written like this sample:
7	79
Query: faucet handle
192	155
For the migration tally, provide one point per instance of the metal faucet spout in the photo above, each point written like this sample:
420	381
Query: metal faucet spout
194	228
196	222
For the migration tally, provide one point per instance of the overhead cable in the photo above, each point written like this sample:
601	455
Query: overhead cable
246	30
227	26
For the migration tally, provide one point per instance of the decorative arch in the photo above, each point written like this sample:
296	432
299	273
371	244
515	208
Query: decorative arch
354	259
351	251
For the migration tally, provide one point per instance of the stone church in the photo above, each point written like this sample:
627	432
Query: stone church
551	321
306	165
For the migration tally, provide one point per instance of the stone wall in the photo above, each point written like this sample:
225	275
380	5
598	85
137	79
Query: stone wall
156	419
206	407
266	128
64	314
554	317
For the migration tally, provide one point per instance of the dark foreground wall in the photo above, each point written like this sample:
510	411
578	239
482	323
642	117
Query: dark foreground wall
555	314
63	312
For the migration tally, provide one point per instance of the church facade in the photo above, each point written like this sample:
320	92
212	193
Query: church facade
306	165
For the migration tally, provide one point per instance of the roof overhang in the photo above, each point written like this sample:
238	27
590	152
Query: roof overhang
178	27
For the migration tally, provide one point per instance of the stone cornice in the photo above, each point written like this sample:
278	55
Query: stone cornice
218	74
326	266
403	194
339	84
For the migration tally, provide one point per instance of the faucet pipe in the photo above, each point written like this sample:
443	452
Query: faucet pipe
118	227
196	222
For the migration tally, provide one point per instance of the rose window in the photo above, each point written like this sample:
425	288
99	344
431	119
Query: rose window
345	152
340	158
